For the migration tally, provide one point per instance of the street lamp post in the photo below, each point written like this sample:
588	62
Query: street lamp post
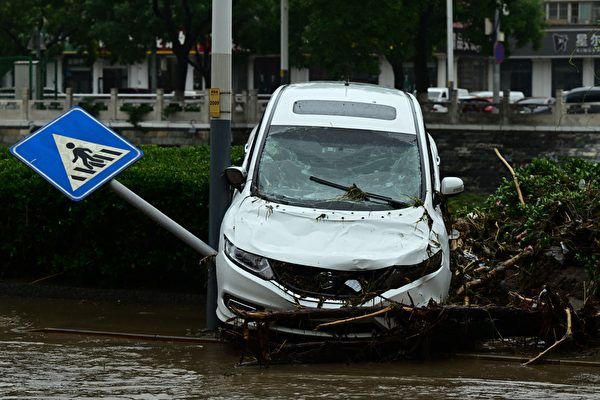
284	72
498	39
450	45
220	139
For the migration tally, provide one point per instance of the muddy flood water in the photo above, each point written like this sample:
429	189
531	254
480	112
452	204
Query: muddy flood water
35	365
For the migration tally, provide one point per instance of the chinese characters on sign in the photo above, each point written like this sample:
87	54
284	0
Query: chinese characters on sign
584	43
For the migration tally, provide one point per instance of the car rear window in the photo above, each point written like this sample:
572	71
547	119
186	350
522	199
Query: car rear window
345	109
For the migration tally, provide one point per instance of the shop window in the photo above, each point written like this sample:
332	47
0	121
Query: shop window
516	75
77	74
566	74
114	78
597	72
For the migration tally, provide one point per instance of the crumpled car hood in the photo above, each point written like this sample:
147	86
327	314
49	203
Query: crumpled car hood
341	240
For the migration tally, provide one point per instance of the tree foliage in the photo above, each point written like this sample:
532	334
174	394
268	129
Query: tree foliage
340	38
55	20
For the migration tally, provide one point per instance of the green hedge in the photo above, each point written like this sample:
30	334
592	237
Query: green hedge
102	240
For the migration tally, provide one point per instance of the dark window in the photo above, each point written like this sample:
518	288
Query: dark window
516	75
574	13
566	74
114	78
345	108
77	74
597	72
266	74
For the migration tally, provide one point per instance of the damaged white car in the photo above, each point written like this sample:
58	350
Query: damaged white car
337	203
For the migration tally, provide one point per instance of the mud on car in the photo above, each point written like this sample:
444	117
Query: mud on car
338	202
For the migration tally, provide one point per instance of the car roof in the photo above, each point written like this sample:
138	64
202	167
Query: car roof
349	93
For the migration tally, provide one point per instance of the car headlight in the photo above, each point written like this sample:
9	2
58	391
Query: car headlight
251	262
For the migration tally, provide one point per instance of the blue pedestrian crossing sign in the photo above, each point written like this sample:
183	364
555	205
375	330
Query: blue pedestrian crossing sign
76	153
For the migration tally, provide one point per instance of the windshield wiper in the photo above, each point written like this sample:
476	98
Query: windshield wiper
389	200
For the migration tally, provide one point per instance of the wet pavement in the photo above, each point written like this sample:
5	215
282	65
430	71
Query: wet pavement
37	365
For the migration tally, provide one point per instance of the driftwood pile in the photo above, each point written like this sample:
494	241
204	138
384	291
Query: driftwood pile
526	266
547	321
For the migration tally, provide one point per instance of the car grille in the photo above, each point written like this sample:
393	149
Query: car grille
326	283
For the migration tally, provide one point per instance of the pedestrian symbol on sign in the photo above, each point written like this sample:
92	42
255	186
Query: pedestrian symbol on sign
83	159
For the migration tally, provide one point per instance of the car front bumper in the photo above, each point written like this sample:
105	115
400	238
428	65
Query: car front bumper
238	288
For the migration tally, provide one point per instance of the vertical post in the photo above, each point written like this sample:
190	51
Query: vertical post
450	45
113	104
25	95
69	97
496	66
55	78
453	106
220	140
159	105
153	70
284	71
559	107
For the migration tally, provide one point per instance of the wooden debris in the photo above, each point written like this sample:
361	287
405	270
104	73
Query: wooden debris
413	331
568	335
512	172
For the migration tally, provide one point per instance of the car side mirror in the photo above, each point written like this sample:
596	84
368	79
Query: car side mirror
451	185
236	176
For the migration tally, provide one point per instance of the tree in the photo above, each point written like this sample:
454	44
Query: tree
524	24
183	23
120	31
345	37
54	20
341	37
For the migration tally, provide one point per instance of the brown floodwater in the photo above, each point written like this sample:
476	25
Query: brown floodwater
35	365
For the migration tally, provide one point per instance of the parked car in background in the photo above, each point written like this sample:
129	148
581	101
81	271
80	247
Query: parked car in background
514	96
583	100
476	104
535	105
437	96
338	202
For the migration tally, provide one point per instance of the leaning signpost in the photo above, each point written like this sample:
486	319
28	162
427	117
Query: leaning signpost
77	154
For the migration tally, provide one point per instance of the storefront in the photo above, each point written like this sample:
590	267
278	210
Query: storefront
567	58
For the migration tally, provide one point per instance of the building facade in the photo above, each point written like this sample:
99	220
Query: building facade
569	55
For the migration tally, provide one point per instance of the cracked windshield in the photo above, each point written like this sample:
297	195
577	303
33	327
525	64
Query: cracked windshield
339	168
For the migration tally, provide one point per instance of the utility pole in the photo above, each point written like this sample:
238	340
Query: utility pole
496	66
220	139
449	46
284	71
498	48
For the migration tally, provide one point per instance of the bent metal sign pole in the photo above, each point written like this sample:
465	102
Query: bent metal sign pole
78	154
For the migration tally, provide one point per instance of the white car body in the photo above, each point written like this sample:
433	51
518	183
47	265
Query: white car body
439	96
321	249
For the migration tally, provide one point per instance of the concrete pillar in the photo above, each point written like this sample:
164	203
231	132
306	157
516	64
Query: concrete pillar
113	104
252	106
588	72
25	104
68	98
441	70
386	74
453	107
505	108
559	108
159	105
541	77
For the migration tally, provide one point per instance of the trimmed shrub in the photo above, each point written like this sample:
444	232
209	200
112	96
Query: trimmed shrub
102	240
